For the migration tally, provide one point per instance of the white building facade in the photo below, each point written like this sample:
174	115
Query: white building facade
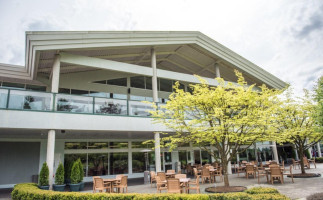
80	95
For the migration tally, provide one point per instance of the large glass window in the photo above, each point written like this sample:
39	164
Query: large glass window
98	164
75	145
149	83
13	85
166	85
117	81
119	163
99	94
118	145
98	145
137	145
35	87
80	92
137	82
206	157
139	162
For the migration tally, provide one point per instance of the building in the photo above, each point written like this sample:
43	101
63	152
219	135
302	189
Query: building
79	95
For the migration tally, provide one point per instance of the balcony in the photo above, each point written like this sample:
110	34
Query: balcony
13	99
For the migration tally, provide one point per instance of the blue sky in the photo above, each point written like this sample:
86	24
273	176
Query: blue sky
283	37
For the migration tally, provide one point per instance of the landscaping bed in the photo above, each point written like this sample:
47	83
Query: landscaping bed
307	175
223	189
31	191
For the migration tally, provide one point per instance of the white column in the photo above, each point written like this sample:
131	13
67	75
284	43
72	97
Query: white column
319	149
157	153
296	153
51	133
275	152
217	70
154	78
130	158
50	155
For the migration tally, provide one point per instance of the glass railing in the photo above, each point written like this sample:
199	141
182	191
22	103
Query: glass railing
13	99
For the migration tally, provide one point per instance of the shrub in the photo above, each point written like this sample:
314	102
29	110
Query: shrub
319	159
59	177
31	191
75	173
44	175
307	154
81	170
261	190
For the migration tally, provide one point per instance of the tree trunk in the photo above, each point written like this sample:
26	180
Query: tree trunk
301	155
224	161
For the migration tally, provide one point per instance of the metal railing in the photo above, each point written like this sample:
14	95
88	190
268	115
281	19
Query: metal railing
14	99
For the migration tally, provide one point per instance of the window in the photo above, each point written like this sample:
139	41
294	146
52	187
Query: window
99	94
80	92
13	85
166	85
64	91
101	82
149	83
36	87
98	145
75	145
118	82
137	82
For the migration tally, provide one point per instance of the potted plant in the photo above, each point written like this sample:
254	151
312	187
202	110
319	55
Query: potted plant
44	177
81	174
75	177
59	179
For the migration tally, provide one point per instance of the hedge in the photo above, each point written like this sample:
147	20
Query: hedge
319	159
29	191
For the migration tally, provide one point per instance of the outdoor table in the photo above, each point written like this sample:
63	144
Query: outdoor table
170	175
109	180
185	182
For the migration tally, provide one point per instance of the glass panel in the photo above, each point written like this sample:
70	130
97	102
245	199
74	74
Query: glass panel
206	157
182	158
101	82
69	159
110	106
20	99
166	85
151	160
64	91
98	145
98	164
119	96
118	163
99	94
118	145
137	82
136	145
139	162
3	98
36	88
197	158
149	83
137	98
168	157
251	155
117	81
13	85
139	108
75	145
77	104
80	92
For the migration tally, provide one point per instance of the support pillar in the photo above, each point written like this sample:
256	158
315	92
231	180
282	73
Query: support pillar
319	150
157	152
296	153
274	146
51	133
50	155
154	78
217	70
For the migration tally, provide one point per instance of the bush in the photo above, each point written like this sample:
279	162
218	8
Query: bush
81	170
317	196
319	159
59	177
75	173
307	154
31	191
261	190
44	175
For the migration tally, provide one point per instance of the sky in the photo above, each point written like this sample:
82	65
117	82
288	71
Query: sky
283	37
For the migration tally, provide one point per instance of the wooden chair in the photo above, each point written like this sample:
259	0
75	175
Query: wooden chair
295	163
262	172
94	177
289	172
312	161
118	179
160	184
218	172
152	178
276	174
162	176
189	169
239	169
99	185
250	171
194	185
306	163
206	175
196	173
173	186
123	184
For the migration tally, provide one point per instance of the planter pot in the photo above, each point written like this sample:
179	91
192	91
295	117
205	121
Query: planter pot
75	187
59	188
81	186
46	187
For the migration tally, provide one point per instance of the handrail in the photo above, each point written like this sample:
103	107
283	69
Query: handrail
50	102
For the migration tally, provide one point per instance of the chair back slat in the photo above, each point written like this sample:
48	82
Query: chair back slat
206	172
173	185
124	180
162	176
98	182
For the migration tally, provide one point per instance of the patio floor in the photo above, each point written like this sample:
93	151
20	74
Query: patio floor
302	187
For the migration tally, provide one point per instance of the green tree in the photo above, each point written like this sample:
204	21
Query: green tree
59	177
318	89
295	123
230	117
44	175
75	173
81	170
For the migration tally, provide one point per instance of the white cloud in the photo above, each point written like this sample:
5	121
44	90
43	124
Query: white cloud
284	37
